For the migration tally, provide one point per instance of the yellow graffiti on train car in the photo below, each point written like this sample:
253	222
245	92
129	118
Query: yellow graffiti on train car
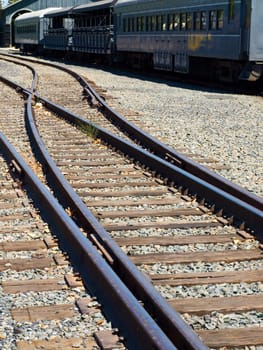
195	41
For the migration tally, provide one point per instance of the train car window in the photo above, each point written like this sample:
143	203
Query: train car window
164	23
124	24
67	23
176	21
159	22
182	21
212	20
197	20
131	24
248	14
143	23
220	19
170	23
188	21
153	23
138	24
57	22
30	28
231	9
203	20
147	23
50	23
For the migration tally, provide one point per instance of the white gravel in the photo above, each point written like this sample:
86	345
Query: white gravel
225	126
219	125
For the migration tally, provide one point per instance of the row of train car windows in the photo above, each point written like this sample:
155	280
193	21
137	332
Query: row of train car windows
91	21
29	28
177	21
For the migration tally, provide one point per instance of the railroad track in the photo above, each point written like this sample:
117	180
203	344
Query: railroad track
134	321
181	159
77	98
112	188
40	290
41	293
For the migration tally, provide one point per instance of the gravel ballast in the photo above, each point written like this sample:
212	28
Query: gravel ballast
215	124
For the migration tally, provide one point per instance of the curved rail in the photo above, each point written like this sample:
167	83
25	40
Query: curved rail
232	206
169	154
34	73
127	270
179	333
137	326
166	318
160	149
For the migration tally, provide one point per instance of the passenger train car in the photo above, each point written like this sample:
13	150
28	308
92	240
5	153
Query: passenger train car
222	38
29	30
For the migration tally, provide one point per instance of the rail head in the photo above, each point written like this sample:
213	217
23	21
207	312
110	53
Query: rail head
133	278
172	172
149	333
167	318
231	206
160	149
139	329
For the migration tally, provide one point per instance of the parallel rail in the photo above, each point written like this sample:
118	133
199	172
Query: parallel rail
232	206
157	325
242	210
158	148
102	280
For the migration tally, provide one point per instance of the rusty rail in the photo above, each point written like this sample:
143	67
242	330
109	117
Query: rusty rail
167	319
160	149
156	325
137	326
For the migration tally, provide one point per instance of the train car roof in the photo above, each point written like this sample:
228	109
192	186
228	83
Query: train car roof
125	2
94	6
36	14
59	12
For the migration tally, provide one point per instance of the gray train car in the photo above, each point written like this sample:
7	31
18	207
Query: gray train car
93	27
223	37
220	39
58	30
85	28
29	29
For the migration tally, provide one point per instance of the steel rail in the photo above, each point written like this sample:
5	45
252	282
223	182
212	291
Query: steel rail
137	326
160	149
128	271
166	317
169	321
232	206
174	157
128	274
34	73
